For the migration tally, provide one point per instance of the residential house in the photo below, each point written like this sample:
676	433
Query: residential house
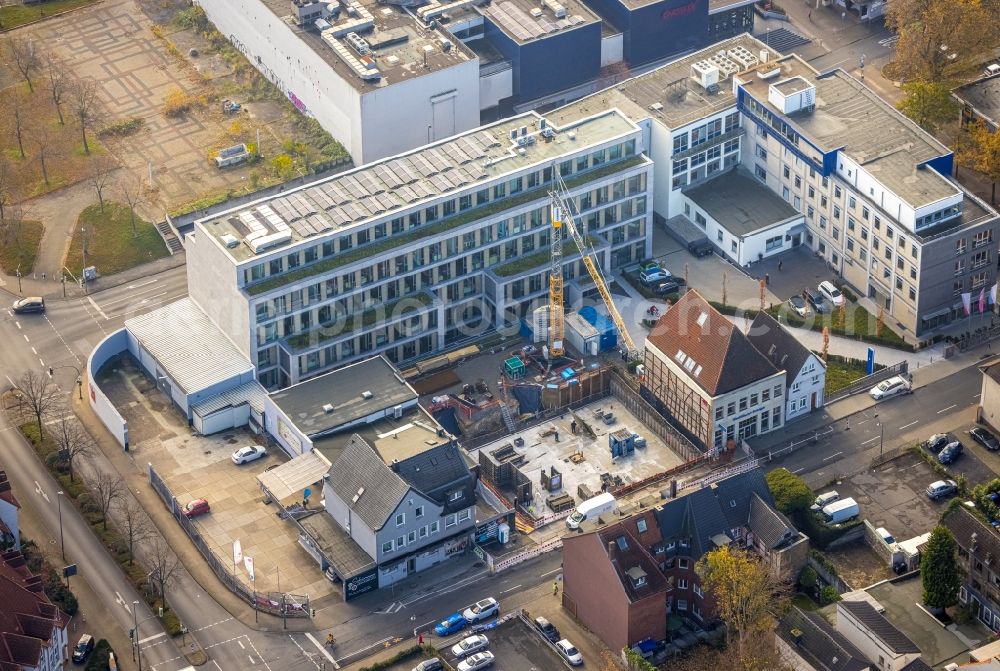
989	394
400	507
805	373
877	638
978	553
33	633
10	530
704	374
807	642
980	101
624	577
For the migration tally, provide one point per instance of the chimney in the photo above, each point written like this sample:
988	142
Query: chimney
612	550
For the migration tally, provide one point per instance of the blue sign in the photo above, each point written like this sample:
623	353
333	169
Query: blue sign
870	368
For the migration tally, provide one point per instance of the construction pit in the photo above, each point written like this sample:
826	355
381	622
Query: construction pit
549	468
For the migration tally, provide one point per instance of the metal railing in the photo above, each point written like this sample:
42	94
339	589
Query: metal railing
866	383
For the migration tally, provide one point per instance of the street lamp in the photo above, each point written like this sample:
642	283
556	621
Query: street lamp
62	547
135	620
79	377
881	434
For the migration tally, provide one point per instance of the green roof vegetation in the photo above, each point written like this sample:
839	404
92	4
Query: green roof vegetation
426	231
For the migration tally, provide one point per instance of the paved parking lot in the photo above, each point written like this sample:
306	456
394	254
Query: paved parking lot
517	647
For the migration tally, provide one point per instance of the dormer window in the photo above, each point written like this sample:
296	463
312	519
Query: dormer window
456	496
637	576
641	526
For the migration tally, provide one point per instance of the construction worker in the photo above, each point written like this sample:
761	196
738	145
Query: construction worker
330	640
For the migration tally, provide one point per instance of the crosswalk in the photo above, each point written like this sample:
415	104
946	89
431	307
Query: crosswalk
889	42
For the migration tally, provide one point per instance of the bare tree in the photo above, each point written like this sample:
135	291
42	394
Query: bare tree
10	225
42	138
6	177
72	440
39	394
101	168
58	81
25	57
20	119
83	102
133	524
107	489
134	190
164	567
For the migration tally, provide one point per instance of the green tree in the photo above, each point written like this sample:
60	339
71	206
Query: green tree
939	569
939	41
982	153
791	493
928	104
808	579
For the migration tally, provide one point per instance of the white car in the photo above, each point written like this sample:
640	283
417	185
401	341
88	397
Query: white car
890	387
832	293
469	645
245	455
481	610
569	652
480	660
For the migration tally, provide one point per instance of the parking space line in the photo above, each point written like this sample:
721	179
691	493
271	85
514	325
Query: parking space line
833	456
870	440
955	405
910	424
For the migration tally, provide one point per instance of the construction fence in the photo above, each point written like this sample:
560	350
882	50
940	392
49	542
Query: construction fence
275	603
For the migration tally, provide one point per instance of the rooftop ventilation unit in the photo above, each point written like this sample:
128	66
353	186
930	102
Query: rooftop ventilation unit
445	44
536	12
357	43
229	241
555	7
705	73
397	411
743	56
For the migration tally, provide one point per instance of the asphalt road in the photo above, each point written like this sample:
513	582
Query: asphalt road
848	445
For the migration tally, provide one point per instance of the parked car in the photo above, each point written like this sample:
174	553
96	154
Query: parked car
832	293
245	455
985	438
480	660
481	610
451	624
817	301
891	387
884	534
30	304
668	287
937	442
83	648
653	275
701	248
196	508
432	664
569	652
798	305
941	488
823	500
951	453
548	629
469	645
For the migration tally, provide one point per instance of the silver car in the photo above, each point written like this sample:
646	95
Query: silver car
469	645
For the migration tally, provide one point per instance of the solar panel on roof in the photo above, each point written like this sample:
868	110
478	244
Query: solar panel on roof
388	200
336	192
323	200
353	187
373	205
302	228
457	177
339	217
421	189
369	182
404	170
408	194
320	223
301	205
437	159
387	176
487	139
422	165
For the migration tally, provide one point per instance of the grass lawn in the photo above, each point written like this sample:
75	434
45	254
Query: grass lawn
13	16
113	246
21	252
842	372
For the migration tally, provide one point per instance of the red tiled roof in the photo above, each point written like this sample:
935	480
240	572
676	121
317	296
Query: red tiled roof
5	491
704	343
28	619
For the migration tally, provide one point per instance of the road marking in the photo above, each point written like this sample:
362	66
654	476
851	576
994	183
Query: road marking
39	490
34	351
910	424
863	421
889	41
450	588
833	456
555	570
25	337
217	665
976	395
99	311
251	659
152	638
798	470
323	649
240	643
511	589
257	652
214	624
870	440
125	605
947	409
18	325
141	284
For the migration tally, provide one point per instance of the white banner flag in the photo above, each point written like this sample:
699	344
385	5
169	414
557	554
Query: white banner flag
248	562
967	302
993	295
237	552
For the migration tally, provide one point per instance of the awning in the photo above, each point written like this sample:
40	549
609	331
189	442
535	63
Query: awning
937	313
292	477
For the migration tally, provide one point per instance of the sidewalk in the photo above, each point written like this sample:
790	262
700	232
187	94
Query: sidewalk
52	289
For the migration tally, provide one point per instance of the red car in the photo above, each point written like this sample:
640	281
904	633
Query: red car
196	508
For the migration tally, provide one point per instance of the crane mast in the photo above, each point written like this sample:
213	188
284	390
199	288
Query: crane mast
556	324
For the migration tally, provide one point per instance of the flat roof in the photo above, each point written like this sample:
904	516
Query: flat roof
192	350
396	38
715	6
740	203
326	207
852	118
983	96
528	20
391	437
291	477
347	557
668	93
338	398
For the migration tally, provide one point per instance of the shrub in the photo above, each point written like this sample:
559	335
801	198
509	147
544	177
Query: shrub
808	578
828	595
282	164
122	128
59	594
176	103
791	493
99	658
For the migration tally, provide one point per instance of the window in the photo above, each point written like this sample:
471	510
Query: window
773	243
464	515
719	235
386	547
743	403
411	537
760	173
435	526
765	395
734	247
400	519
423	531
786	171
451	520
641	526
400	543
777	390
456	495
682	563
419	512
822	222
731	408
761	152
719	412
696	588
682	583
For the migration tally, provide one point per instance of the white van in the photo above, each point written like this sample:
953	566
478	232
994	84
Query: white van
841	511
992	69
591	508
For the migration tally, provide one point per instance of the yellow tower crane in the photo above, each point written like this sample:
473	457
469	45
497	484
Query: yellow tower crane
563	217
